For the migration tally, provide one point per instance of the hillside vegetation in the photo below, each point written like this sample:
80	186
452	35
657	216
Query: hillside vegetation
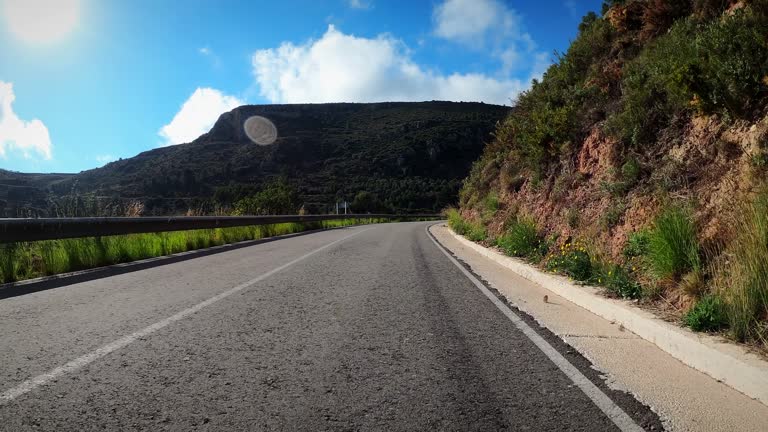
390	157
639	163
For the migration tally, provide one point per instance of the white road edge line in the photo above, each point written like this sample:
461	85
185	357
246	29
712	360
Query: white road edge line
600	399
41	380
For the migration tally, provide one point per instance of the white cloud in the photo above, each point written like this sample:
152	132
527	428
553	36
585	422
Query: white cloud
197	115
487	25
360	4
27	137
468	20
345	68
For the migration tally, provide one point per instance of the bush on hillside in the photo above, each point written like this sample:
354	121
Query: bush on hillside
713	67
551	112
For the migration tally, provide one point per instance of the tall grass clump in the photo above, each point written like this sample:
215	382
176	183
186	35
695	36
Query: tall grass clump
742	278
673	249
521	239
8	262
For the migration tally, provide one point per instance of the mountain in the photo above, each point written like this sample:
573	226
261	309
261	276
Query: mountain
27	194
409	156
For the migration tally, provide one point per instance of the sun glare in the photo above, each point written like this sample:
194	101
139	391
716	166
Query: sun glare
41	21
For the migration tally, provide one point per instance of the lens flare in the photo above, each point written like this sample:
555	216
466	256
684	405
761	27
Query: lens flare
260	130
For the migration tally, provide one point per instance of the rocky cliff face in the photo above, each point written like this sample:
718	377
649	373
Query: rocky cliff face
657	105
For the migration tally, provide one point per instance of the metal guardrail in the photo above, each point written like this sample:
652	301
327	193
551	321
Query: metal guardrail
22	230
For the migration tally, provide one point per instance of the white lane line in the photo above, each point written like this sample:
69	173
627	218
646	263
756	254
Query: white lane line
606	405
41	380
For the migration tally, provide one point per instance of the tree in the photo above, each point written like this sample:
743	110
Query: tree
366	202
276	197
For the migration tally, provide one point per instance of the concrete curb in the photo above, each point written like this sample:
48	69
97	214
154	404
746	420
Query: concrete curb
731	364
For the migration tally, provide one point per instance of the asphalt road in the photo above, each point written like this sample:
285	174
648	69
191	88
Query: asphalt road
378	330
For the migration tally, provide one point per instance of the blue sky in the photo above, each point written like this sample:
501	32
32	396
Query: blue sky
83	82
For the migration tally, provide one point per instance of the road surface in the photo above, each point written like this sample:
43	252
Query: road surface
364	328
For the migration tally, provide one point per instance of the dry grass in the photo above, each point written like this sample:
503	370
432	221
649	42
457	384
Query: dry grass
741	275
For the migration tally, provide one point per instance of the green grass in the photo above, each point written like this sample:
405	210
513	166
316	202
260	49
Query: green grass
19	261
522	239
673	249
456	222
490	205
474	231
477	232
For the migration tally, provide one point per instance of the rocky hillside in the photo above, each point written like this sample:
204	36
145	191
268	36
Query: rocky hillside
407	156
639	163
26	194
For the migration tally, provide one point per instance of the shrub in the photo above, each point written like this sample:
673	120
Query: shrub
630	171
521	239
573	260
708	314
616	279
551	112
734	62
477	232
637	244
655	86
717	66
673	249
